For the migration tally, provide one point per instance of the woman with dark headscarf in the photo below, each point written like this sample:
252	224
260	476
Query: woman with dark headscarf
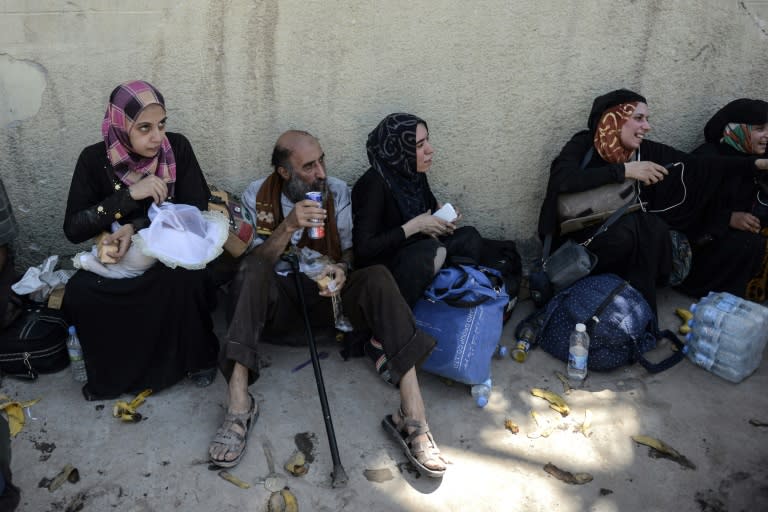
148	331
731	251
392	207
638	246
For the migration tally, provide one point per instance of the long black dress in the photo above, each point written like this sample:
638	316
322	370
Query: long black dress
152	330
727	259
637	247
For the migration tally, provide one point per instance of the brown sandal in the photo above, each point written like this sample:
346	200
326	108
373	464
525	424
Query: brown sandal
427	450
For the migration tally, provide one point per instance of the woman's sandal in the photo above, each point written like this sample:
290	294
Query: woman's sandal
413	449
232	439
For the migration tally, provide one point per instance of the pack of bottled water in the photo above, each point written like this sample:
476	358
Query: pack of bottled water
728	335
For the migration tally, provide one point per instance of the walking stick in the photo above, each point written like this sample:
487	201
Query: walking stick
338	476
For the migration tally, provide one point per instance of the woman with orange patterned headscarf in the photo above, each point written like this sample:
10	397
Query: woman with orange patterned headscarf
639	246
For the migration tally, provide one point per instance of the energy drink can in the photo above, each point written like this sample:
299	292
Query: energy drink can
316	232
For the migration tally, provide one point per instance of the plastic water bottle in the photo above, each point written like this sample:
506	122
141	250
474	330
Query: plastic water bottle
500	352
482	392
524	342
578	353
76	356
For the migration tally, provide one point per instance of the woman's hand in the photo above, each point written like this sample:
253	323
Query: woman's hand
150	186
647	173
762	164
429	225
121	239
744	221
331	280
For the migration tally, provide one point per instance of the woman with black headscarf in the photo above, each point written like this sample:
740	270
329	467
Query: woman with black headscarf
731	251
638	247
392	208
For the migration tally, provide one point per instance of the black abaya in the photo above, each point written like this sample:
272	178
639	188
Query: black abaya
152	330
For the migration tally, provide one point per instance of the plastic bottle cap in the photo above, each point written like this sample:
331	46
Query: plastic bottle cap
581	328
482	401
71	329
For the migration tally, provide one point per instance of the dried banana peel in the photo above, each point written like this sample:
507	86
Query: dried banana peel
587	423
226	475
282	501
567	476
566	384
126	411
511	426
556	402
68	473
660	449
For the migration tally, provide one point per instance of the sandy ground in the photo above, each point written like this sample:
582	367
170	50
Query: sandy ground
160	464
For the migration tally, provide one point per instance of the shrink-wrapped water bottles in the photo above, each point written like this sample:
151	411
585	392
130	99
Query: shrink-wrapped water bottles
728	335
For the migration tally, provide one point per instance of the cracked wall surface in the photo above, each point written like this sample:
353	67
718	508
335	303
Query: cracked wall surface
502	83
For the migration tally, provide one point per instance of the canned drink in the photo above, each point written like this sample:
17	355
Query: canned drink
316	232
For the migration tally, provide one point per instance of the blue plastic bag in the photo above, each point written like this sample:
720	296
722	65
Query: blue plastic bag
463	310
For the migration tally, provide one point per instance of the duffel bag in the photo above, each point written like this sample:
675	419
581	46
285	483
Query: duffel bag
619	321
463	310
36	342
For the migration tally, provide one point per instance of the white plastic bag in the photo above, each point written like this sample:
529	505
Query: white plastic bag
39	281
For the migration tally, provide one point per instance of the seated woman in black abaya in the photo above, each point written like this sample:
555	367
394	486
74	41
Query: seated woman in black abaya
731	253
152	330
393	206
638	247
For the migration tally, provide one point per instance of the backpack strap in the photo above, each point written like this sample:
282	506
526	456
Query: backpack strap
595	318
667	363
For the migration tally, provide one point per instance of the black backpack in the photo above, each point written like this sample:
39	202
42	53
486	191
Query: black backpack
36	342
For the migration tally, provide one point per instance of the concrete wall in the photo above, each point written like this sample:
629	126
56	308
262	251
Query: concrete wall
502	83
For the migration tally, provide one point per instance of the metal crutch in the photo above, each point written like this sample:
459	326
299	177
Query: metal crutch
338	476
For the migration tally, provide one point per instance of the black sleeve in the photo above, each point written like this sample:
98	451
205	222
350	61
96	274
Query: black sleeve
191	187
689	192
374	235
566	176
93	203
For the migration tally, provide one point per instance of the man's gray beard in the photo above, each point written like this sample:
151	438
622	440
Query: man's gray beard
295	189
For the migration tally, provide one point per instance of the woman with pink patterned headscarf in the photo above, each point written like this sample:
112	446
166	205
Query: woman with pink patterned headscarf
149	331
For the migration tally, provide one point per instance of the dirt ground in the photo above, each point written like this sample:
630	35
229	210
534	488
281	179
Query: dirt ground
159	464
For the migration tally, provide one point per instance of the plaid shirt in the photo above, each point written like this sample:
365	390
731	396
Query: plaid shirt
8	227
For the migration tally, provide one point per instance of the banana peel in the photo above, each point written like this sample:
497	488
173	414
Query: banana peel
566	384
567	476
686	316
282	501
660	449
556	402
226	475
297	464
15	411
126	411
